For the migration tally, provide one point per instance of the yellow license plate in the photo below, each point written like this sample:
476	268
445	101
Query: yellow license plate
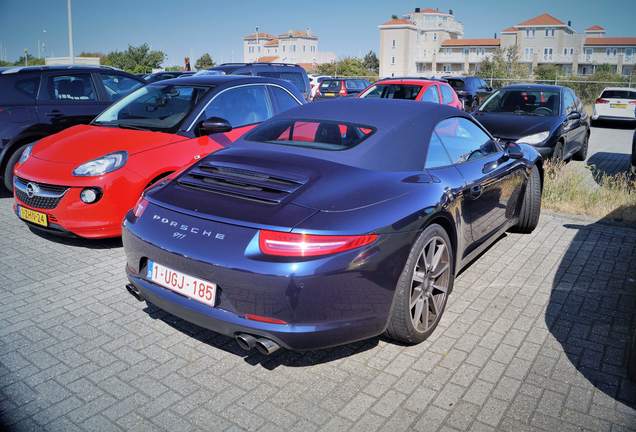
33	216
329	94
623	106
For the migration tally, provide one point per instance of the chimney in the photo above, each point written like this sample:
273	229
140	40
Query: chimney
450	11
495	36
569	23
417	10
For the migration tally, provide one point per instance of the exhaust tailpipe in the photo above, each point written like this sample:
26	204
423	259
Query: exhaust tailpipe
266	346
134	292
245	341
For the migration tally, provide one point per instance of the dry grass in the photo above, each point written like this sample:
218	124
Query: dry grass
573	189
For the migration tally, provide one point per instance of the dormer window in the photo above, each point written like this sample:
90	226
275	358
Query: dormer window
549	32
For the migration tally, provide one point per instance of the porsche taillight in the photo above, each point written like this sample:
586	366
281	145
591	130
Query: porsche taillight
140	207
306	245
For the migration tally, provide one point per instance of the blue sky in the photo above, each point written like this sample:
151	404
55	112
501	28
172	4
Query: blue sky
191	27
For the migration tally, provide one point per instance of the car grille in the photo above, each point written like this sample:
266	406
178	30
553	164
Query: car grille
43	196
240	183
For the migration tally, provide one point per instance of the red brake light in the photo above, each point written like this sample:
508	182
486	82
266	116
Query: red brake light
269	320
304	245
633	102
140	207
601	101
343	89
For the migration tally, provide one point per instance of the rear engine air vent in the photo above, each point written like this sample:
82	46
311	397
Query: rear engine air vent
240	183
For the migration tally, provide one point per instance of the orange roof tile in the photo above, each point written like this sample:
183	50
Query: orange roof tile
471	42
260	35
271	42
509	30
594	27
267	59
605	41
398	21
297	34
542	20
429	10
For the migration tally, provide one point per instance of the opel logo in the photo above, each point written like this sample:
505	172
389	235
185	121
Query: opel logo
32	189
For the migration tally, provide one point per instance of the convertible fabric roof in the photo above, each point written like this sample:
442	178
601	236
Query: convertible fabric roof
403	130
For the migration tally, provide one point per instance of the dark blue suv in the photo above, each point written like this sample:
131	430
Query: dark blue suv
38	101
285	71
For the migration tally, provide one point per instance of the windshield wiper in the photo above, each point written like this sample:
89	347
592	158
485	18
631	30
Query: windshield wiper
129	126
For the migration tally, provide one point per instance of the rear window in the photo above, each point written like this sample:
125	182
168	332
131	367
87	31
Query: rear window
355	85
19	89
315	134
295	78
456	84
619	94
393	91
330	86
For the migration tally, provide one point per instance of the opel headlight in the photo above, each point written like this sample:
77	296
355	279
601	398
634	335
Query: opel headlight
534	138
105	164
25	154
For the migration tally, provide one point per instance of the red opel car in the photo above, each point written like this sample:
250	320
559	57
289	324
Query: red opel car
417	89
83	180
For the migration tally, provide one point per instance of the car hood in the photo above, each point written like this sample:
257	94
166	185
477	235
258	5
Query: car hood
274	189
511	127
83	143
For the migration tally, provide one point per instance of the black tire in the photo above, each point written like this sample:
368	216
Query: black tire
557	154
401	322
581	155
8	170
531	206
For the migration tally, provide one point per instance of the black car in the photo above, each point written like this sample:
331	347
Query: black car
471	90
550	118
285	71
38	101
340	87
160	76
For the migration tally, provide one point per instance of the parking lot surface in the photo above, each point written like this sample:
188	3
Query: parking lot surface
534	338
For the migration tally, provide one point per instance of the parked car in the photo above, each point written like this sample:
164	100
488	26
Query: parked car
550	118
418	89
377	207
160	76
615	103
83	180
37	101
471	90
340	87
314	82
285	71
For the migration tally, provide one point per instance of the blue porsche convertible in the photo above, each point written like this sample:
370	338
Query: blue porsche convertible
330	223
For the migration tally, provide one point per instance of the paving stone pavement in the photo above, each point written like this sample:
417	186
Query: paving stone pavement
533	339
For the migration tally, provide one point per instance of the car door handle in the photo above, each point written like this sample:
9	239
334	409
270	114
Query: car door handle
475	191
54	113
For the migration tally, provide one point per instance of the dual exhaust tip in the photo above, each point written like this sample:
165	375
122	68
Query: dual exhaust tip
263	345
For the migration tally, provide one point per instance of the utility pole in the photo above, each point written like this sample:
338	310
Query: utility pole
71	53
26	57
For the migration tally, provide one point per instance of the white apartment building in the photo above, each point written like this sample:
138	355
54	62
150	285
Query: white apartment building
431	42
295	46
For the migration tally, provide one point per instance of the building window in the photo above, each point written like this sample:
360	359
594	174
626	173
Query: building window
629	53
304	48
547	53
446	68
529	33
435	36
283	48
392	60
481	51
549	32
610	52
465	51
393	43
528	53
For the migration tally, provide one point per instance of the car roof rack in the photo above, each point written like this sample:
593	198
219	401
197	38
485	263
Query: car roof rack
259	64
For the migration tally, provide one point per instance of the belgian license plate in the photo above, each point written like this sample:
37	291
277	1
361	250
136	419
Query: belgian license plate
33	216
622	106
189	286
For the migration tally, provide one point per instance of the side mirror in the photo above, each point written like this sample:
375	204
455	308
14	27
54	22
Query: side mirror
513	151
213	125
574	115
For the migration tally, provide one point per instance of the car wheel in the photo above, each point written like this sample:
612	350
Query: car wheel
8	170
557	154
423	287
531	206
581	155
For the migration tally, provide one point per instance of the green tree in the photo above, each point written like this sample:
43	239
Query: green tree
547	72
371	63
348	66
504	63
204	62
97	54
136	59
31	60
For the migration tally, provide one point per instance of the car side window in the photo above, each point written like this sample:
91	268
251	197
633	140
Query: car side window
282	99
241	106
118	86
431	95
71	88
569	104
436	155
447	94
464	140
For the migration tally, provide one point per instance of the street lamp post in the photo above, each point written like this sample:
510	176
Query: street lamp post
71	54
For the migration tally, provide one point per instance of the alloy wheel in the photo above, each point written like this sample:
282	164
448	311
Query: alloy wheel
429	284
